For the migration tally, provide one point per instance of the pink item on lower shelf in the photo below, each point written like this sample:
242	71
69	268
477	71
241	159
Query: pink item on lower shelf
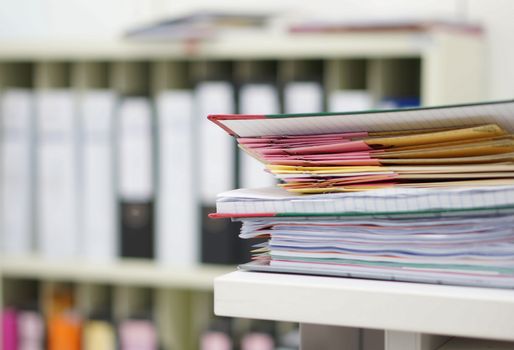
31	331
9	329
214	340
138	335
257	341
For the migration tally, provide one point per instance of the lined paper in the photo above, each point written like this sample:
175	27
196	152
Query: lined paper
501	113
246	201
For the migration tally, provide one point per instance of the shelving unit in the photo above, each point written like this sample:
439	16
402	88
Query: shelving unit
131	287
439	66
135	273
410	313
447	57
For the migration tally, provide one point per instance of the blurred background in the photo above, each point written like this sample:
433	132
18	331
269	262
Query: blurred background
109	166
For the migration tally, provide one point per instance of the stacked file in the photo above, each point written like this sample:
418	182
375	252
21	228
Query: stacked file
365	160
435	205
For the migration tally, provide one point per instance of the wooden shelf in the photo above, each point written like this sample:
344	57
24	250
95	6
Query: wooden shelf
131	273
396	306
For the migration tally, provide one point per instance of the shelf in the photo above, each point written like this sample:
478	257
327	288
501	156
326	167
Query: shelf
257	46
131	273
396	306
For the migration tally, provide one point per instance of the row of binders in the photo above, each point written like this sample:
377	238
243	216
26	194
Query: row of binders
98	174
418	195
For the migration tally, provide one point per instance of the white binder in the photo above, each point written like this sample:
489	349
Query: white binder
176	239
349	100
303	97
135	149
98	209
216	152
17	169
57	163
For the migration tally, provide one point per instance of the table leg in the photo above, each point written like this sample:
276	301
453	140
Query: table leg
395	340
317	337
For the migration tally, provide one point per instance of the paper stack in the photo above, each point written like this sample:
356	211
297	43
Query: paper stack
358	161
422	195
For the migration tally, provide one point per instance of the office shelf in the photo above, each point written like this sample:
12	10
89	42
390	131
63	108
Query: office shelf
389	44
438	66
134	273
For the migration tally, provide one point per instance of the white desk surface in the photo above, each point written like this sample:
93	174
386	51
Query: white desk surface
411	307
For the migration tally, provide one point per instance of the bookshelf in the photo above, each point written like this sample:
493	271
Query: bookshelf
410	313
438	66
124	272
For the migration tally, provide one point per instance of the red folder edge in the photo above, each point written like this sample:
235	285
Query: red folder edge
233	215
215	118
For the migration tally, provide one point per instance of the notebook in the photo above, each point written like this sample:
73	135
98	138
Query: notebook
440	117
326	153
274	201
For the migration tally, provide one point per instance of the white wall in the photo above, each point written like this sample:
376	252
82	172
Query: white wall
498	19
106	19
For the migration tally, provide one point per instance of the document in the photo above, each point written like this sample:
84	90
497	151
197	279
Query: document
322	163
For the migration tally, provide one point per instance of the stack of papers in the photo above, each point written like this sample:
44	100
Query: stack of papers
452	250
356	161
432	205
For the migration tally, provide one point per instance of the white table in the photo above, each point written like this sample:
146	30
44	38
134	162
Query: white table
335	309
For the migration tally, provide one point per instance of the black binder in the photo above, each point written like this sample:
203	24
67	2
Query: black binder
137	229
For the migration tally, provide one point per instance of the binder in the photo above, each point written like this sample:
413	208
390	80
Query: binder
98	223
347	85
303	97
17	169
217	166
177	242
302	86
216	170
349	100
57	163
135	176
